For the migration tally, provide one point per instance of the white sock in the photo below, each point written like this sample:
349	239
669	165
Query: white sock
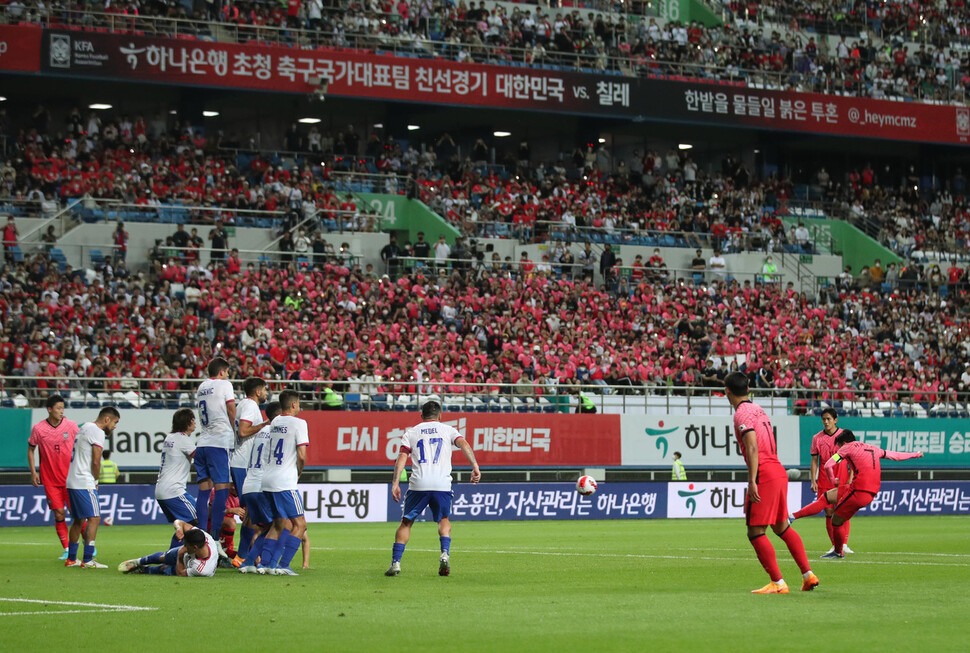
780	581
807	574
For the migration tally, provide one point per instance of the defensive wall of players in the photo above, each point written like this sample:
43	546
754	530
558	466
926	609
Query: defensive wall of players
512	440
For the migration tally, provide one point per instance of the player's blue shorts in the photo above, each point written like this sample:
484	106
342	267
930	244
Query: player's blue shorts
179	508
257	507
83	503
213	463
286	504
415	501
238	478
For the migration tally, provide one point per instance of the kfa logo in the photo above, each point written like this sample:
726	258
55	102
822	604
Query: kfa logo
963	121
60	52
689	494
66	435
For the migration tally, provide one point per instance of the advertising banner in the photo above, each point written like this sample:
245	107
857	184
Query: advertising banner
532	501
717	500
703	441
944	442
345	439
427	79
921	498
20	48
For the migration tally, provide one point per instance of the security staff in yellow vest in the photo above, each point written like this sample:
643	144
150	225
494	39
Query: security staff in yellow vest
109	469
331	399
678	473
586	404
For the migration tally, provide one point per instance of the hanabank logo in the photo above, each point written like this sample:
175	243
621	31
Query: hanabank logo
690	495
661	441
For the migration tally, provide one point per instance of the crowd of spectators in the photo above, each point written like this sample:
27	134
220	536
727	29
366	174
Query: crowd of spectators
781	55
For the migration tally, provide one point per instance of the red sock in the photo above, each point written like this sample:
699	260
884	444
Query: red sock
227	537
795	547
840	534
61	528
813	508
766	555
828	529
846	526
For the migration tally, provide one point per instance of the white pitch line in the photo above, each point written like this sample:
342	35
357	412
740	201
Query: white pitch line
29	544
100	607
17	614
651	557
882	553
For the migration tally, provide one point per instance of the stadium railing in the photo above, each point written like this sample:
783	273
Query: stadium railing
377	394
409	46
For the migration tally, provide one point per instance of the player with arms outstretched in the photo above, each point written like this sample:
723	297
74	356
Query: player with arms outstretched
863	459
766	503
429	444
195	556
216	403
824	447
54	439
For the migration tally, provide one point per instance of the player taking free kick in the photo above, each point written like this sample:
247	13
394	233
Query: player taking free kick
766	503
429	444
863	460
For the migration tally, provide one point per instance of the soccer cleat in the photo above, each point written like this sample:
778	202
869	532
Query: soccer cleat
283	571
772	588
93	564
129	566
265	571
832	555
237	562
846	549
225	563
248	569
394	569
72	563
791	519
444	567
829	552
809	583
63	555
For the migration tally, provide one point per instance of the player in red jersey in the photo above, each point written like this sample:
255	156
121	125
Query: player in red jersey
863	460
823	448
766	502
55	438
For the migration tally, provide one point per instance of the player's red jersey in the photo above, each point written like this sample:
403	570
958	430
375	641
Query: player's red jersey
55	444
749	416
864	459
823	446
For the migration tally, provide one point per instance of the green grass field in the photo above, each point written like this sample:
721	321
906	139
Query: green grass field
659	585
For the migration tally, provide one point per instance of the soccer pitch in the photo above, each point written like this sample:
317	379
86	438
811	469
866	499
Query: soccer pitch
624	585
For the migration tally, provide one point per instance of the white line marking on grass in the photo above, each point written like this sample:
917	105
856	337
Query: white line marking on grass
98	607
651	557
882	553
29	544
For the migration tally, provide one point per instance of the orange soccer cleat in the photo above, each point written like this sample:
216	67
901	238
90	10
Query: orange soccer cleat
810	582
237	562
772	588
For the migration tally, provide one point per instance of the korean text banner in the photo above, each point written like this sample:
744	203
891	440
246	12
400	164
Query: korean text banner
703	441
713	500
944	442
20	48
361	74
363	439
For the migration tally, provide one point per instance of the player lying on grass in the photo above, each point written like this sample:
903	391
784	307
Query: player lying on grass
196	557
863	460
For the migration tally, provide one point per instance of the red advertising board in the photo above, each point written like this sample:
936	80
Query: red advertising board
364	74
364	439
20	48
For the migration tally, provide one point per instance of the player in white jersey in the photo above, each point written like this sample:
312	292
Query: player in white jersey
216	402
82	485
195	555
289	438
430	445
174	470
249	421
259	514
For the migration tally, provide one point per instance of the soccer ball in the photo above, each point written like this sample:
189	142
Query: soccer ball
586	485
794	474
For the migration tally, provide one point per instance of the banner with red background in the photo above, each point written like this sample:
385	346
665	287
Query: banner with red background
364	439
20	47
363	74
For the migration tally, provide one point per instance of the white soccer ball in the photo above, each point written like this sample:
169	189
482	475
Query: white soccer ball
586	485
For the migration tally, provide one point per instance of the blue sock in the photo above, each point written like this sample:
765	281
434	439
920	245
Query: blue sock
218	513
244	540
269	552
445	544
255	550
202	508
72	551
397	552
171	557
175	543
153	559
290	546
88	551
284	536
161	570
